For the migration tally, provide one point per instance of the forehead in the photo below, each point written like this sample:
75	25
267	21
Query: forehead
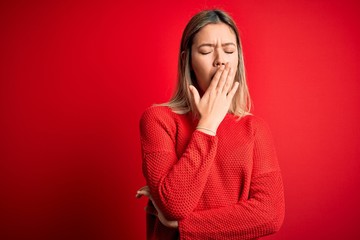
214	32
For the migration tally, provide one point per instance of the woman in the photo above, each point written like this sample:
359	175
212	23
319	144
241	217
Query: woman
210	166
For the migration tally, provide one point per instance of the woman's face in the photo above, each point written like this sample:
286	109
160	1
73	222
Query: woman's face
213	45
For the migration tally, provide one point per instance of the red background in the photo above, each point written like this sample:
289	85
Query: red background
76	76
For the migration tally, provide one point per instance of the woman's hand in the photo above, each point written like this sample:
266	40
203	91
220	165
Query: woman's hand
145	191
216	101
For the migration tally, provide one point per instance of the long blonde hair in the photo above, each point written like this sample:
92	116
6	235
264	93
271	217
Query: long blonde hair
181	102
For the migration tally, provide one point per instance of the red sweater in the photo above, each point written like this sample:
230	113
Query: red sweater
226	186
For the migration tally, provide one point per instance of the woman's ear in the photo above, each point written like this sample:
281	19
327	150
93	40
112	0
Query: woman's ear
183	56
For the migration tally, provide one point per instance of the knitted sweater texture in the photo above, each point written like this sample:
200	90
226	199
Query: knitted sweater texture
226	186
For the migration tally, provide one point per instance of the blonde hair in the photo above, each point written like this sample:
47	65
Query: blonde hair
181	102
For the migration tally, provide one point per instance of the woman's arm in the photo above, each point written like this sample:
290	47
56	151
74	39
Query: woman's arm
261	214
176	183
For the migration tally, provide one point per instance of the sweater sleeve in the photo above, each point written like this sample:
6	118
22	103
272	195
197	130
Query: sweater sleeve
261	214
176	183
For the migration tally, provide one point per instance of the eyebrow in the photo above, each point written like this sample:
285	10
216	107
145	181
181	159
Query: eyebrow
213	45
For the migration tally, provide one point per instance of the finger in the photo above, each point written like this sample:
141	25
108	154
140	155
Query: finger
145	192
233	90
144	188
229	81
195	94
142	193
216	78
138	195
223	79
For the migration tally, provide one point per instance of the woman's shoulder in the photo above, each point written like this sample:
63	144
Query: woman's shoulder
259	125
255	119
158	113
254	122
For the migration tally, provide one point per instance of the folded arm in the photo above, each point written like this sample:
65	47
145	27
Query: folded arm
262	214
259	215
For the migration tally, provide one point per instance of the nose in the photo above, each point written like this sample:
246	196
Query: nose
219	59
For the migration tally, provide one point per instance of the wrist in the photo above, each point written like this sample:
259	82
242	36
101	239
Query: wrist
208	124
206	130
